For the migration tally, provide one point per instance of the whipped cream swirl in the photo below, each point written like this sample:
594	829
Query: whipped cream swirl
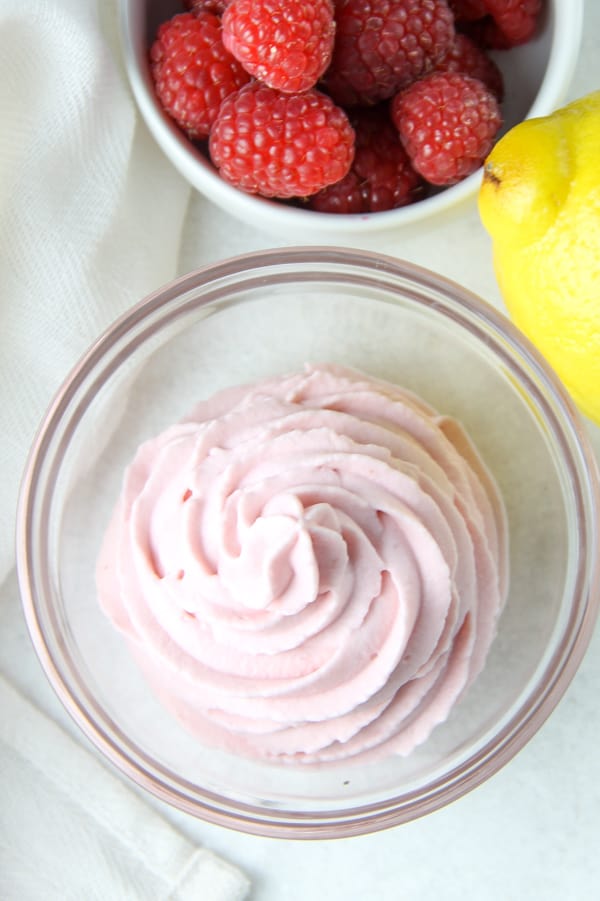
309	567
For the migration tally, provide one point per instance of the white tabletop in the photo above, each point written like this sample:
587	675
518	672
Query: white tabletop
530	832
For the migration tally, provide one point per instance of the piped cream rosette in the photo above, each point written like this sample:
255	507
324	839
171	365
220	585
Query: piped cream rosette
309	567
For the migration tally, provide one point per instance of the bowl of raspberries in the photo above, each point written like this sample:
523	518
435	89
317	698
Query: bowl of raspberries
336	119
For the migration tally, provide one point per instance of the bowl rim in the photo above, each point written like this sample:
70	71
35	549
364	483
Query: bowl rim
193	166
559	414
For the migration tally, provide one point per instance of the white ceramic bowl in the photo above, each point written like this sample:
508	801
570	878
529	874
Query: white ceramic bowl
536	79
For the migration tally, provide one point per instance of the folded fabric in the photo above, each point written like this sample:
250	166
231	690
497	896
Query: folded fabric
70	830
91	212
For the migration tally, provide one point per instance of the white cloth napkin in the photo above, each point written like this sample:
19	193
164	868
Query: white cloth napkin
86	835
91	219
91	212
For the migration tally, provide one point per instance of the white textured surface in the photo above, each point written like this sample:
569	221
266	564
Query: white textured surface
532	831
57	795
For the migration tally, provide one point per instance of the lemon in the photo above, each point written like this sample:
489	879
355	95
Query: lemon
540	202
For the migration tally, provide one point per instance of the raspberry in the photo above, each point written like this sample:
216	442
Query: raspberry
515	19
192	71
381	177
281	145
286	45
507	24
217	7
468	58
447	123
383	45
468	10
345	196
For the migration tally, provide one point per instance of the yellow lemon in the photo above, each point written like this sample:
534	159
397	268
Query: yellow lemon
540	202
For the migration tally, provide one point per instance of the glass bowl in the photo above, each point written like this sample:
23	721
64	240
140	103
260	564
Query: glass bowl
536	76
265	314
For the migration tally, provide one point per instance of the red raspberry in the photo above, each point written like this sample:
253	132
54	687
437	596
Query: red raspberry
383	45
508	23
192	71
447	123
381	177
283	43
485	33
345	196
468	58
281	145
468	10
515	19
217	7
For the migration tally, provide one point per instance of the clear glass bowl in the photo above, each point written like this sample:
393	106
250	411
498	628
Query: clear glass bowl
265	314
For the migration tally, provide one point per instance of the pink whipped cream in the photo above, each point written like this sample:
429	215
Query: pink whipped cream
308	568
